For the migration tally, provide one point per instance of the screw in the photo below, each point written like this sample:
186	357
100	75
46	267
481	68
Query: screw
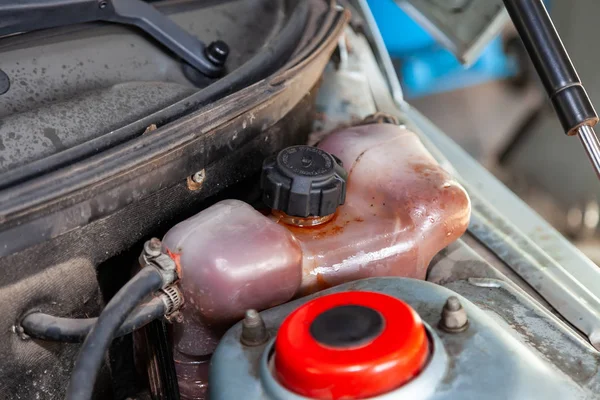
152	247
195	181
254	332
102	5
217	52
199	176
454	317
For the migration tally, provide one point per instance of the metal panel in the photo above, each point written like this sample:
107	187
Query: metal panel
486	361
464	27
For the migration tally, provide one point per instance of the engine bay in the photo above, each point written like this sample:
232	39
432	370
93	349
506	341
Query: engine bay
290	233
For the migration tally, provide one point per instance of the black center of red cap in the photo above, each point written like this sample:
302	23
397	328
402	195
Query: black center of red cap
347	326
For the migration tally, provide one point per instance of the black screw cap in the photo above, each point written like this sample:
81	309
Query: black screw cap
304	181
217	52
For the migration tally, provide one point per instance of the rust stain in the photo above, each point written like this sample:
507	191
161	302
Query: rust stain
332	231
319	284
177	258
332	228
322	284
423	169
316	232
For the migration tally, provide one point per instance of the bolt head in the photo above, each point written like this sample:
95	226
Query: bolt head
152	247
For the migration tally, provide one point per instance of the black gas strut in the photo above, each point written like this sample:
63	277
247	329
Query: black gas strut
570	100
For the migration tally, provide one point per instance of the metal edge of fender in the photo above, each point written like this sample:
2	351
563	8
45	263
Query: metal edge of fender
381	53
555	268
527	300
556	285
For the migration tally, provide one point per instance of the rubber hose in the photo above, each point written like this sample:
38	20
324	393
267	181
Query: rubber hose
43	326
91	355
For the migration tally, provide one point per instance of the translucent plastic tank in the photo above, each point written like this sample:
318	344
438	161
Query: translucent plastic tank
401	208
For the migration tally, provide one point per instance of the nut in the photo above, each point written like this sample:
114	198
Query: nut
153	256
454	317
152	247
254	331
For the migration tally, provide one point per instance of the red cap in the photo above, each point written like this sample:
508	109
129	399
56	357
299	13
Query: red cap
350	345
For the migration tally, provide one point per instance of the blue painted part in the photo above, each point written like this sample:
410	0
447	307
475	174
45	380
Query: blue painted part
424	66
437	70
401	34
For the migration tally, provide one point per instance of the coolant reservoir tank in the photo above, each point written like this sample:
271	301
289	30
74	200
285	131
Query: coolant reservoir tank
368	201
399	208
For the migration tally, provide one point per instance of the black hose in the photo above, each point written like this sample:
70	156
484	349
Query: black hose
43	326
91	355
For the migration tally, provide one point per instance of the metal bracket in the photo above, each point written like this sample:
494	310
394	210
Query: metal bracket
153	256
464	27
28	15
